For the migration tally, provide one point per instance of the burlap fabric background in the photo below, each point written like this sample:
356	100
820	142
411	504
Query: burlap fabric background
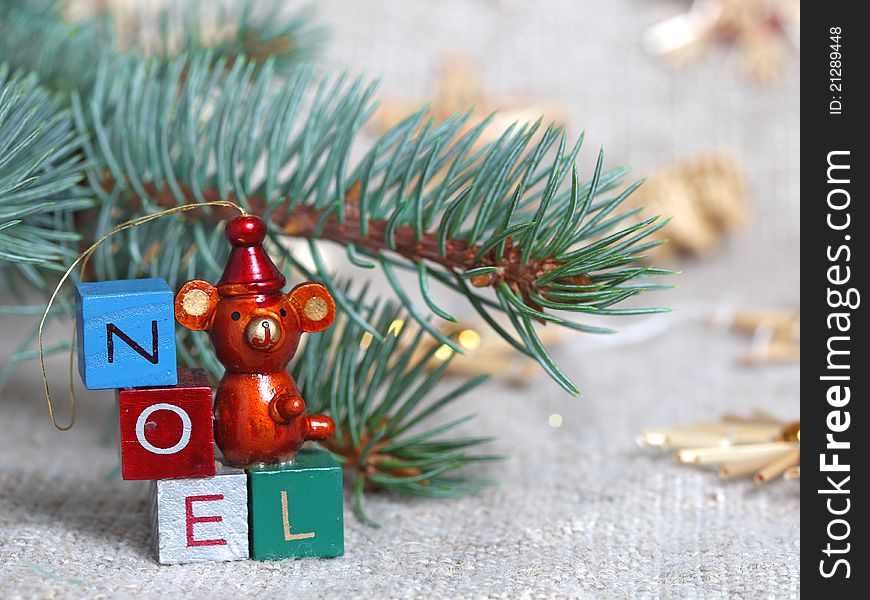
580	511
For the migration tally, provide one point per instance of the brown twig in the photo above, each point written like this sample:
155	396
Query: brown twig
308	222
373	463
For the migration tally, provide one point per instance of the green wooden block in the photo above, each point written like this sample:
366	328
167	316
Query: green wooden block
296	510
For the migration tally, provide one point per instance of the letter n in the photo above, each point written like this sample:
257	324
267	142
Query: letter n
112	330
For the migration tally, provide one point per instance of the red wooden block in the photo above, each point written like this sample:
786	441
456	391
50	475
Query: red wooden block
167	432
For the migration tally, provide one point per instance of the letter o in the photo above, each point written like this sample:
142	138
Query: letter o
838	226
185	428
845	535
841	192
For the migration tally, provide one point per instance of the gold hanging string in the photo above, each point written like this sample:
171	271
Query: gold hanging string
83	261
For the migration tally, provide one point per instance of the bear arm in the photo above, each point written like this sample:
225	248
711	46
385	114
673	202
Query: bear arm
284	407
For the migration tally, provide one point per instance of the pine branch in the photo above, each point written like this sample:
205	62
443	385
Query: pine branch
256	29
40	167
503	217
62	55
383	403
509	224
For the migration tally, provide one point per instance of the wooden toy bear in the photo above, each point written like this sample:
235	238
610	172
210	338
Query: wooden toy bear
255	329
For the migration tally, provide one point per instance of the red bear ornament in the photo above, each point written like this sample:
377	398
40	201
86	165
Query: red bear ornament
259	417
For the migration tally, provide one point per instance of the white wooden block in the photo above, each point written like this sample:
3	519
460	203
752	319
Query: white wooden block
200	520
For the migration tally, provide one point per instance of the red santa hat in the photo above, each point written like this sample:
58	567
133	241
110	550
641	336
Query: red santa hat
249	269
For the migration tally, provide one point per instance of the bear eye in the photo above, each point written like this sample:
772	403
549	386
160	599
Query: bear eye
283	313
236	316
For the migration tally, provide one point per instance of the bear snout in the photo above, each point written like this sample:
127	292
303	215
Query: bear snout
263	332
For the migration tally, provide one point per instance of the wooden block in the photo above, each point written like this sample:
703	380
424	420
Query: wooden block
297	510
126	333
167	432
199	520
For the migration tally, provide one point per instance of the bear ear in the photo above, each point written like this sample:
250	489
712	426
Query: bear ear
314	306
195	304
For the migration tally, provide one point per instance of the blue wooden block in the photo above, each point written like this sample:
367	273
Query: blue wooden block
126	333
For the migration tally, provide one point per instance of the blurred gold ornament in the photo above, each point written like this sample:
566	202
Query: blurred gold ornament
776	334
485	353
460	89
762	29
761	446
706	198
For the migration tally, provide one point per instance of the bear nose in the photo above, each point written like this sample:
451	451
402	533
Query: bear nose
262	332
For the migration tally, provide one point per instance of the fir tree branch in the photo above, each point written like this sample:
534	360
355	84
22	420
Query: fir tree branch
40	167
62	55
381	400
310	223
256	29
195	129
509	225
